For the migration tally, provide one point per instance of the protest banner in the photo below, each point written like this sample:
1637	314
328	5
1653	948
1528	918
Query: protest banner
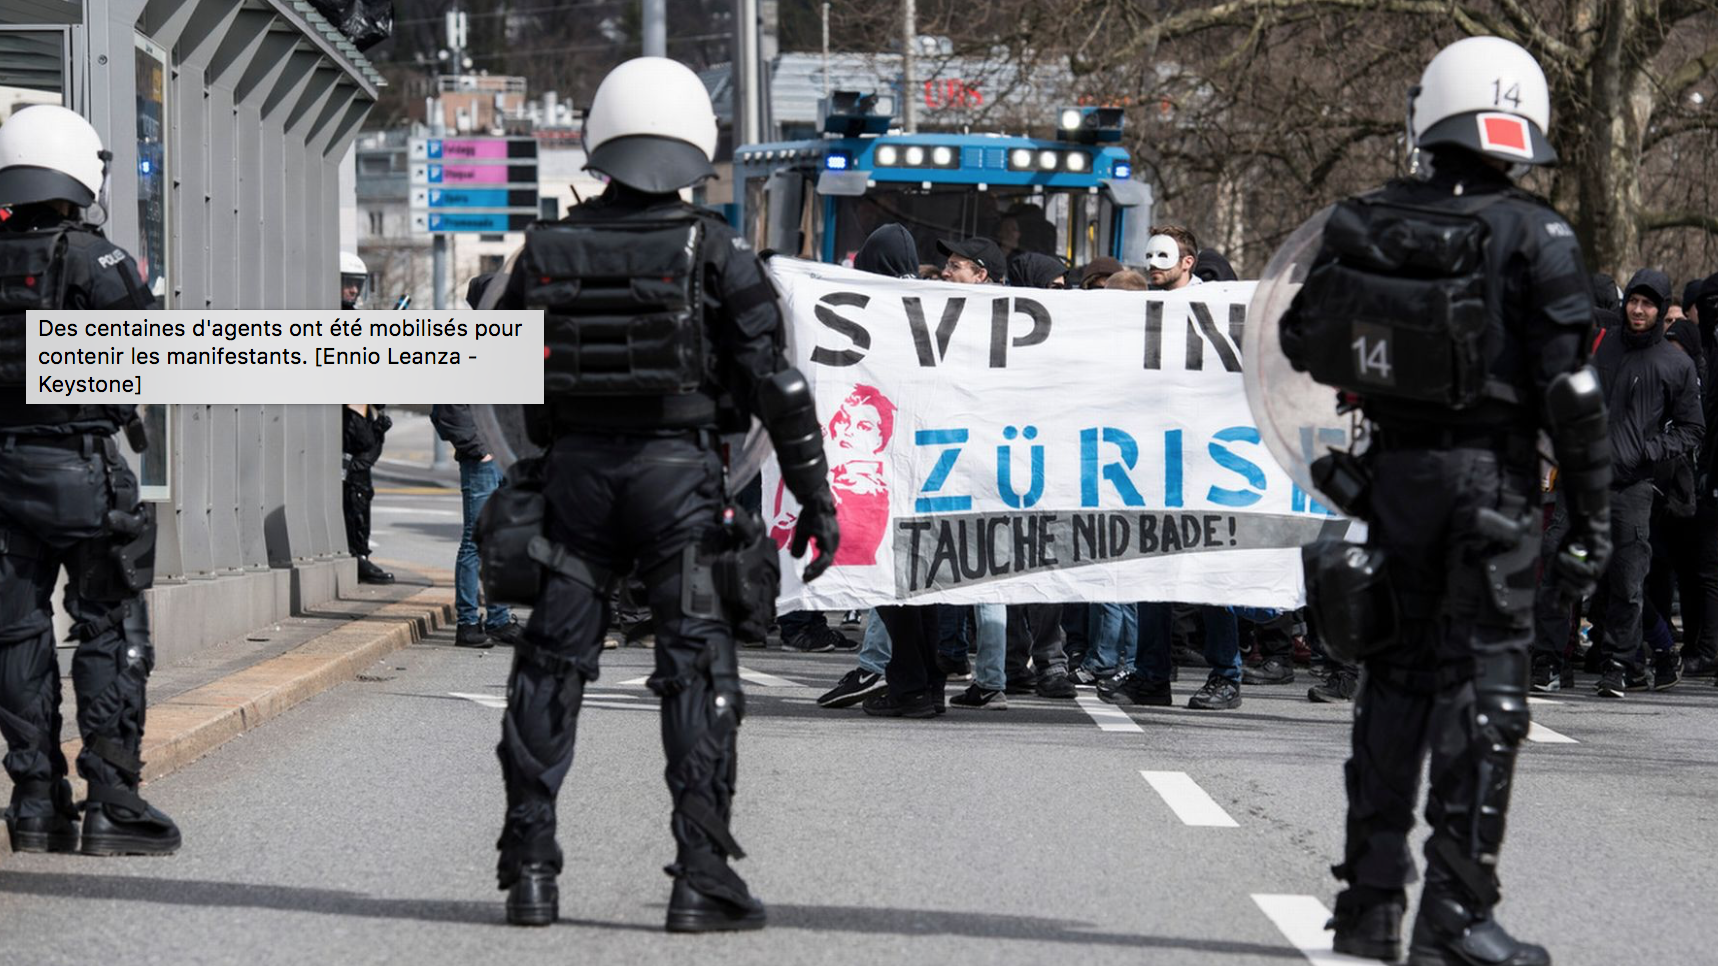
1007	445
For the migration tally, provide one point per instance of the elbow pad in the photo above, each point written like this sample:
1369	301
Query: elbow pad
789	413
1580	439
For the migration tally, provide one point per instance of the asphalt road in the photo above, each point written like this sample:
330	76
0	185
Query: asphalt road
360	828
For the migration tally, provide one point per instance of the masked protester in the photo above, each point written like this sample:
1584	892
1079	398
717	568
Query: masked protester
68	500
1457	386
661	331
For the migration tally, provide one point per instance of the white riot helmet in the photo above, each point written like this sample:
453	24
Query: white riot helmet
354	275
1487	95
49	153
651	126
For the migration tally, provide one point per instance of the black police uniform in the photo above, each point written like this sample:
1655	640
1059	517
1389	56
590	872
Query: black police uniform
362	436
631	284
1454	504
67	499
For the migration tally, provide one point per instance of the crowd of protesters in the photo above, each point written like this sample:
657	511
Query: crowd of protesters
1653	621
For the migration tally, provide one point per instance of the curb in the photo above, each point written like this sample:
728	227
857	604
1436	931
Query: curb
185	728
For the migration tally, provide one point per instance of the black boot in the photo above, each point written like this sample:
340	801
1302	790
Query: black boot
55	831
692	911
1368	923
117	822
1450	932
369	573
534	899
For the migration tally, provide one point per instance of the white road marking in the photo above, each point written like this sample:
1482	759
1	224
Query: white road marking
1108	718
1546	701
766	680
1539	733
634	682
1190	802
487	700
616	707
374	508
1301	920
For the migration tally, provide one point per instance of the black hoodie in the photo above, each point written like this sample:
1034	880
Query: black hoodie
1035	270
1651	393
889	251
1212	266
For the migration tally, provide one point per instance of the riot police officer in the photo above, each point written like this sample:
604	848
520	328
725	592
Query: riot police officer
1453	309
661	331
68	500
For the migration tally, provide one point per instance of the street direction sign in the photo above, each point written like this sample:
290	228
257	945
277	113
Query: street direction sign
427	197
487	222
487	175
474	149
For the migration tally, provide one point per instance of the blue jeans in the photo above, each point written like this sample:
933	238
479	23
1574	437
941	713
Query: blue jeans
1222	641
875	649
990	670
1112	633
951	631
477	480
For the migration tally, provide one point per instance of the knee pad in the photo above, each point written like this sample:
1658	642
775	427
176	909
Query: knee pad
1500	695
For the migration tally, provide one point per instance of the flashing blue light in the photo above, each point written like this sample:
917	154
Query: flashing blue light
1122	171
143	167
837	162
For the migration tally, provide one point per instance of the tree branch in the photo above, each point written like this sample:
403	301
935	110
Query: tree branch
1669	129
1688	218
1690	73
1532	30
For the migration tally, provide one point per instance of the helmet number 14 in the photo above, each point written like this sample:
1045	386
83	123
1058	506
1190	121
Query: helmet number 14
1499	94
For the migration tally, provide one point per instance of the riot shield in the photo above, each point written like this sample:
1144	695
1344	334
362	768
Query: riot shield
1296	416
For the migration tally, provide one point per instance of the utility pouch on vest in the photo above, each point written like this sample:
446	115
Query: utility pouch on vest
1394	305
32	276
514	515
1349	596
622	305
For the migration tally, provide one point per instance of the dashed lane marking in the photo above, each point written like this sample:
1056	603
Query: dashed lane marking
1301	920
1108	718
758	678
1546	701
487	700
1190	803
1537	732
416	511
592	699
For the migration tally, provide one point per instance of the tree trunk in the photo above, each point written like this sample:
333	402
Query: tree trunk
1607	147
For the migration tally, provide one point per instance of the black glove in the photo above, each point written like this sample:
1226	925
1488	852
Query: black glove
1581	558
817	522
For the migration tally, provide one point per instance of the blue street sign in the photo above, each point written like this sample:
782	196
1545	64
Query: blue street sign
433	148
435	172
494	222
480	198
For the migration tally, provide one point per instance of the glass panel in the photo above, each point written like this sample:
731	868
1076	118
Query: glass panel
32	69
152	167
1016	218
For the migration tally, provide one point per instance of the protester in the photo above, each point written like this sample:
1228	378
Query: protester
478	477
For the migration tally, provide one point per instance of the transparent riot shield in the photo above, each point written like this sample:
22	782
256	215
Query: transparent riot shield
1296	416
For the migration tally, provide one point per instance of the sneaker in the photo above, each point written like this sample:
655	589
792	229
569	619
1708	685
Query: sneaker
1302	651
844	643
1666	671
1612	683
1547	676
1135	689
813	640
885	705
613	639
1340	687
961	668
511	633
1024	685
1273	670
1637	679
977	697
1183	656
1085	677
1056	686
855	686
1699	667
1218	694
852	618
471	635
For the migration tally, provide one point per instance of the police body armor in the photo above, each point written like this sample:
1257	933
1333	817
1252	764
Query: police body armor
623	305
1401	304
32	276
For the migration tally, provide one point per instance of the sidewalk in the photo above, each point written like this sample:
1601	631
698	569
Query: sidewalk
197	705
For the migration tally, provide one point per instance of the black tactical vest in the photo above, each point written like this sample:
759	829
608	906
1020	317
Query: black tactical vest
623	307
32	276
1395	305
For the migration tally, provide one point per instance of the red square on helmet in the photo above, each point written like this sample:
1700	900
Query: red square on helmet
1506	133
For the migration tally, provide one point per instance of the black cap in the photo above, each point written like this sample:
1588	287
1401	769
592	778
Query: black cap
982	251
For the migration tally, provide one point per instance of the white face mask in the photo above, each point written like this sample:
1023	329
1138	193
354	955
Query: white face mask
1162	252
